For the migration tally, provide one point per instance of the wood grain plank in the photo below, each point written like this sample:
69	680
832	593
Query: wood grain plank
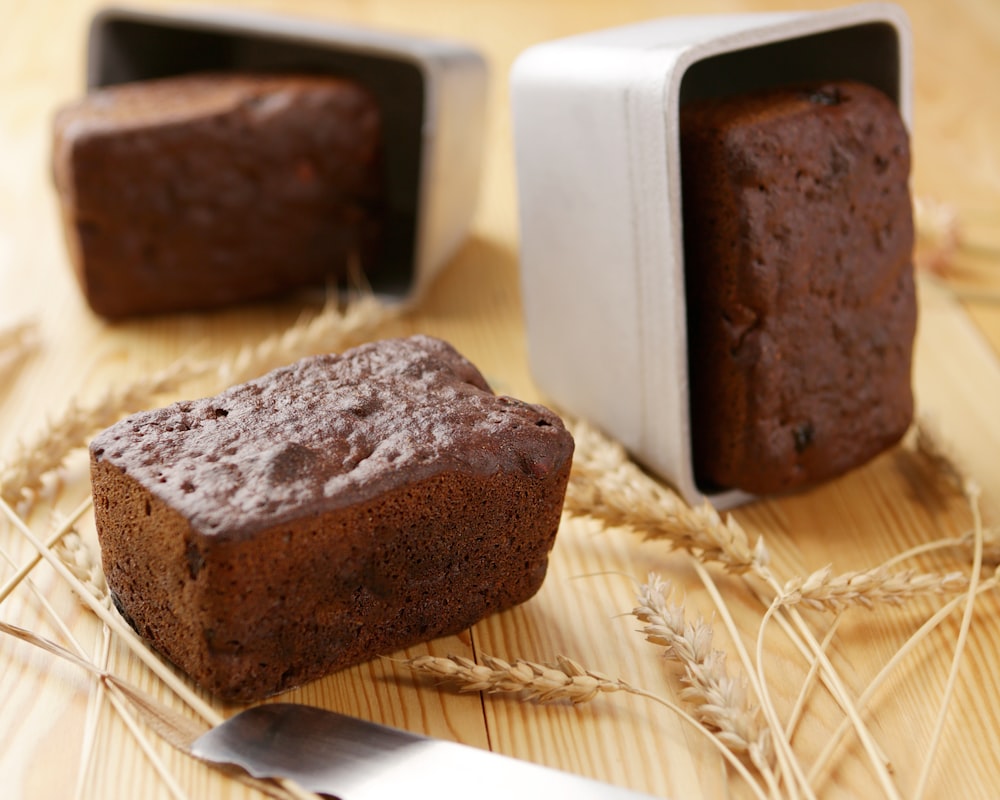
582	609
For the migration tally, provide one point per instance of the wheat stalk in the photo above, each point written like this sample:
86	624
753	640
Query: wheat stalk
964	542
866	697
826	591
78	569
22	477
783	754
563	680
334	328
114	622
926	441
80	657
63	528
174	728
606	485
720	701
989	541
972	494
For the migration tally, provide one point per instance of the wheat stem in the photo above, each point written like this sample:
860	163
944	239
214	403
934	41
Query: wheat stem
95	703
972	494
807	683
82	659
129	637
786	758
145	745
840	693
991	547
175	729
32	562
795	779
865	698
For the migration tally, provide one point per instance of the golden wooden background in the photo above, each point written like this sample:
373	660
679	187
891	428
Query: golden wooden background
853	523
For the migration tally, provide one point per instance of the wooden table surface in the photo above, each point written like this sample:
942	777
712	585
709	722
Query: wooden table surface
59	737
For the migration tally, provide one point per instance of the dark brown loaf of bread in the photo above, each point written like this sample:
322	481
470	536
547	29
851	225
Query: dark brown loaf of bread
798	239
333	510
207	190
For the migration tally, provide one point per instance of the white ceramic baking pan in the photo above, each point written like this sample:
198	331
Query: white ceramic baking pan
432	94
598	170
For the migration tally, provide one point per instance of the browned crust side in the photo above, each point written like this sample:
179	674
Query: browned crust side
247	619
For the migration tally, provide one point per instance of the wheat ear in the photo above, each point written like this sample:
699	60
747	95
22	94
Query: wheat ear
565	680
826	591
720	701
22	477
606	485
333	328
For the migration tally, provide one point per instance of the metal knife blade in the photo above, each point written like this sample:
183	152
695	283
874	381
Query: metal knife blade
353	759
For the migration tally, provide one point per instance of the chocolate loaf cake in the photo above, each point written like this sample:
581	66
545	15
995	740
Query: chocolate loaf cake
202	191
333	510
798	239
